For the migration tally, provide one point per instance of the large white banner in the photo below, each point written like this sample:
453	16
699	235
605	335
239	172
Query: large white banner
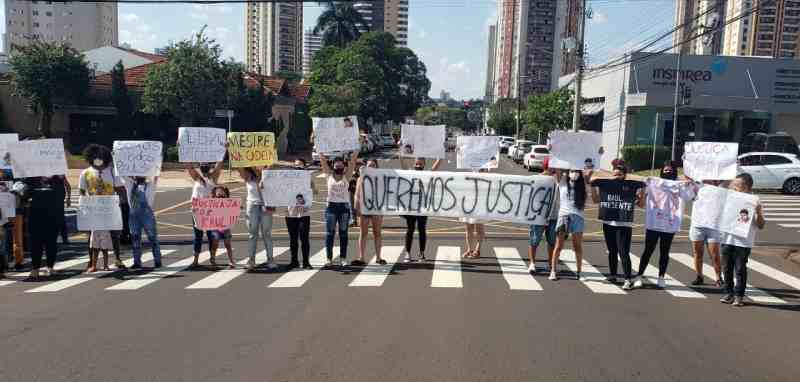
281	187
575	150
137	158
336	135
201	144
513	198
724	210
710	160
99	213
475	152
418	141
40	157
5	139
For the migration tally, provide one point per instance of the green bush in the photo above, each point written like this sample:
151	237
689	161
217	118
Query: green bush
171	154
640	157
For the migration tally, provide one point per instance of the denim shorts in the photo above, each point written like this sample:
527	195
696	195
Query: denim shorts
537	232
704	234
571	223
220	235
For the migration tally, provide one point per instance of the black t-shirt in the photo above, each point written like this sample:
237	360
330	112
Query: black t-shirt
617	199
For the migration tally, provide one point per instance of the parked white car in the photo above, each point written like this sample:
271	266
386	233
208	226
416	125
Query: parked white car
522	148
775	171
505	143
534	159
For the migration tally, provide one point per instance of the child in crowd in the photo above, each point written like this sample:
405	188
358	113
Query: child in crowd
221	192
141	194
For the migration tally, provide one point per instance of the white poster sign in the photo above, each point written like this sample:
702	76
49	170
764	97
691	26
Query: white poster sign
281	187
336	135
40	157
418	141
8	206
99	213
201	144
137	158
724	210
575	150
476	152
512	198
5	139
710	160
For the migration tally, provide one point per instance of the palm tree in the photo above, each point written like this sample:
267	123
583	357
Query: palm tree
339	24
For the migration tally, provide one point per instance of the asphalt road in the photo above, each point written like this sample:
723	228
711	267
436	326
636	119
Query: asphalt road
442	320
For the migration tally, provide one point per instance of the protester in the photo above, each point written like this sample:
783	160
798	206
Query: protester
141	192
99	180
475	230
259	217
221	192
420	222
43	197
699	236
736	249
10	228
204	181
298	222
572	202
664	213
366	220
62	187
617	197
338	210
547	230
351	189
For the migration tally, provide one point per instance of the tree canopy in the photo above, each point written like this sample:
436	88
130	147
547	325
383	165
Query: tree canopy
502	117
338	24
547	112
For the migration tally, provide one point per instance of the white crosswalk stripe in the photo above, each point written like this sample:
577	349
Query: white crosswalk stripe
773	273
595	280
374	274
298	277
60	266
783	210
673	287
447	268
222	277
145	279
515	271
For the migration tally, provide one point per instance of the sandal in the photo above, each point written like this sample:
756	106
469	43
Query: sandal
382	262
467	254
357	263
213	261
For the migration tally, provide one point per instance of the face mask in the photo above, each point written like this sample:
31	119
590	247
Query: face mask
574	176
98	163
204	170
419	168
338	171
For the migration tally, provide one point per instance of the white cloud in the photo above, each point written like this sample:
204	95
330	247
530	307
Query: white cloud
144	28
599	18
130	17
423	33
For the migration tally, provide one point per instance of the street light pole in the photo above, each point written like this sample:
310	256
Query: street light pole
576	111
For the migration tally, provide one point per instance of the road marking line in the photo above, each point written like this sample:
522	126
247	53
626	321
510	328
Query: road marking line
782	219
60	266
766	215
754	294
781	208
596	281
773	273
447	268
673	286
790	225
140	281
298	277
78	280
515	269
224	276
374	274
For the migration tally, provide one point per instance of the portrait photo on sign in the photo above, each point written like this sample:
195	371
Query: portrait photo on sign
336	135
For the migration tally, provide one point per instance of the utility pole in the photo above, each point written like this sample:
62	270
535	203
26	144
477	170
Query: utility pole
513	45
576	111
675	112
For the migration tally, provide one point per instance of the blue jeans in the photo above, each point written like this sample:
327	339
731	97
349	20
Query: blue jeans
336	213
197	242
142	218
258	221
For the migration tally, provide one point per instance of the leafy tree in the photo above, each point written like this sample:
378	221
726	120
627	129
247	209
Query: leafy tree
338	24
289	76
192	83
122	101
335	100
452	117
548	112
502	117
47	73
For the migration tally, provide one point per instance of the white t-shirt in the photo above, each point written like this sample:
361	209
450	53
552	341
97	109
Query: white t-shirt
94	182
664	204
149	190
338	191
253	193
745	242
200	190
566	200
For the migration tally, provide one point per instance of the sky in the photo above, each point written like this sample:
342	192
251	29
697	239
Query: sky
450	36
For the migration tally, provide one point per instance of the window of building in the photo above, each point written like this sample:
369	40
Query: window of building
48	13
35	12
35	25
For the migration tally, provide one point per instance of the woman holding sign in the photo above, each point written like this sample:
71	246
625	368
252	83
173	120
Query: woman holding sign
421	222
338	210
204	181
699	236
572	201
259	217
44	216
365	220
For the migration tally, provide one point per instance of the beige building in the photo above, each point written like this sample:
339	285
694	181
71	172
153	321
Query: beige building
694	18
83	25
274	37
775	28
312	43
385	15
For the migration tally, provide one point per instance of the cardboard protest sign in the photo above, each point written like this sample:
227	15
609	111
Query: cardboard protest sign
724	210
40	157
336	135
212	214
5	139
281	187
575	150
200	144
252	149
665	200
418	141
99	213
710	160
476	152
512	198
137	158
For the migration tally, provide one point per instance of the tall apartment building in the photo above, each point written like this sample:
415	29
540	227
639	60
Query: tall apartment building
274	37
774	29
83	25
312	43
702	22
385	15
489	92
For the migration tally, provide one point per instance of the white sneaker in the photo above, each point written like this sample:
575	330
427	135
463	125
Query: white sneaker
328	263
662	283
271	264
337	261
639	282
251	264
532	268
627	285
407	257
553	276
46	272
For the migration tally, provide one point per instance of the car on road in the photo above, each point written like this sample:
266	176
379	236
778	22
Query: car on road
772	171
377	142
762	142
534	159
387	141
520	150
505	143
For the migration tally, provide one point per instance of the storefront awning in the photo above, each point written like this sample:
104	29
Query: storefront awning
591	108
